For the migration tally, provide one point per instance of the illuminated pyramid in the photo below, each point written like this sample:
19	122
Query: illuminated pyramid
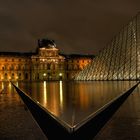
120	60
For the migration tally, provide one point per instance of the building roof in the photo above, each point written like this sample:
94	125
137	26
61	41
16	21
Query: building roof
24	54
76	56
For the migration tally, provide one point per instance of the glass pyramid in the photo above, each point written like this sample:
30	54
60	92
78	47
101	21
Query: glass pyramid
120	60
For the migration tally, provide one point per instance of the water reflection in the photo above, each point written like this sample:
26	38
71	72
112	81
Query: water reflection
73	101
45	94
61	94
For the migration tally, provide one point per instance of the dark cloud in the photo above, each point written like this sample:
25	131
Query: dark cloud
81	26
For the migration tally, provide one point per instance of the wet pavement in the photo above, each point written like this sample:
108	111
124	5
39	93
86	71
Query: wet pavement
125	123
16	123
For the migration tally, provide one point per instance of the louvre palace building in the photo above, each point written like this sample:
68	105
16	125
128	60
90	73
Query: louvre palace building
46	63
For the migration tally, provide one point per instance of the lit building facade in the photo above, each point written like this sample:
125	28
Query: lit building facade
76	63
15	66
45	64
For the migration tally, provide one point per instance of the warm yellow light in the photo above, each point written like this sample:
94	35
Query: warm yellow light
45	93
42	48
2	85
44	74
61	94
10	85
17	84
60	74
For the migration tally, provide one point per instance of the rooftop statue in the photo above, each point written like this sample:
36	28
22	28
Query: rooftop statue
46	43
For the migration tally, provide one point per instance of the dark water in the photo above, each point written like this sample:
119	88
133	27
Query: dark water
72	101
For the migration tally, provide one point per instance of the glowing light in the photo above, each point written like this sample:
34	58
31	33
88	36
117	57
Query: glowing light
2	85
17	84
44	74
61	93
42	48
60	74
10	85
45	93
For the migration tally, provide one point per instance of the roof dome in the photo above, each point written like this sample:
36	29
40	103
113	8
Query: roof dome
47	43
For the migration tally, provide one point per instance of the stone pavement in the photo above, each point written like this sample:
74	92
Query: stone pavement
125	123
16	123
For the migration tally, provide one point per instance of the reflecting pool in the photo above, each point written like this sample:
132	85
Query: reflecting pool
74	101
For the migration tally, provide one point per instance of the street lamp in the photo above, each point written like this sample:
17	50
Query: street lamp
44	74
60	76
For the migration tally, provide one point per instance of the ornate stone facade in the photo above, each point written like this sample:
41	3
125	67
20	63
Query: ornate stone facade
45	64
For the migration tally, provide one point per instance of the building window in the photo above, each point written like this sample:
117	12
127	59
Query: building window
12	67
12	76
19	75
48	66
19	67
5	75
26	76
37	75
3	68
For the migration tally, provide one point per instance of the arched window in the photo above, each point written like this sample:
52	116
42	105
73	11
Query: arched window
12	75
12	67
19	75
37	75
26	75
19	67
5	75
48	66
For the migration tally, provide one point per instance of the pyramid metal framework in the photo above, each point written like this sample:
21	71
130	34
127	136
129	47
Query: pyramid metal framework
120	60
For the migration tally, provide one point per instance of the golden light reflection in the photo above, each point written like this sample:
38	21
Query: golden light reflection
84	100
2	85
45	94
61	94
10	86
17	83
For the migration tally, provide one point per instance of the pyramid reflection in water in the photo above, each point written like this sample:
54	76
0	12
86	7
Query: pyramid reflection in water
120	60
53	127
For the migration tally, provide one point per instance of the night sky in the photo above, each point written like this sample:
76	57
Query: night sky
77	26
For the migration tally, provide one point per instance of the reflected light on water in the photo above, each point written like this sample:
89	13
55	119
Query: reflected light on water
73	101
45	93
2	85
17	83
10	85
61	94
